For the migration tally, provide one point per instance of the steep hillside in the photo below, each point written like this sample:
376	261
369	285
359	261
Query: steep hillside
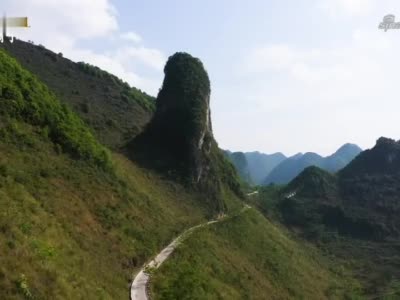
293	166
363	197
25	99
370	185
352	214
247	257
76	220
384	158
110	107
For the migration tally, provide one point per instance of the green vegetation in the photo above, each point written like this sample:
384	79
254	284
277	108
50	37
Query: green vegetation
182	117
70	228
239	160
76	220
184	97
75	231
247	257
314	182
267	200
23	98
179	140
351	216
114	111
129	94
382	159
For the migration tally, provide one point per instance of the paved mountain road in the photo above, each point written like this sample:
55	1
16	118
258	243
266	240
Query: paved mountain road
140	282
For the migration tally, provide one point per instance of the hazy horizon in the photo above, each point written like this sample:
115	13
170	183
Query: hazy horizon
286	77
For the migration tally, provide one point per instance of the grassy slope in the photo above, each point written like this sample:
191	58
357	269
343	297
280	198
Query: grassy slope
247	257
374	263
113	110
74	224
77	232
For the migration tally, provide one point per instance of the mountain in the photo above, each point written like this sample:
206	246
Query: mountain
74	210
239	160
340	158
370	186
179	138
113	110
352	214
261	164
382	159
253	166
291	167
83	207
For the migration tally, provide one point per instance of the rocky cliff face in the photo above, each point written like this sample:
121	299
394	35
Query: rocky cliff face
182	121
179	138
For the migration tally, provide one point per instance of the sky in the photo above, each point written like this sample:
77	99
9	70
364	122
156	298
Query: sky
286	75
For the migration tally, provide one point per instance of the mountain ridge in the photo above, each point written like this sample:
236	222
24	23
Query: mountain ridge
253	165
351	214
293	166
90	92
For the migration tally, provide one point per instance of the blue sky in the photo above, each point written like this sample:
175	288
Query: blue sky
289	76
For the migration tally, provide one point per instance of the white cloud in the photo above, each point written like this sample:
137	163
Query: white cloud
311	91
365	59
131	36
65	25
153	58
74	19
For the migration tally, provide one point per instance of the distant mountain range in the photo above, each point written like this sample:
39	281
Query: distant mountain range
254	166
361	200
293	166
259	168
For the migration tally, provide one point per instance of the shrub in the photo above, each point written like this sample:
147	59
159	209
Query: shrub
23	287
24	98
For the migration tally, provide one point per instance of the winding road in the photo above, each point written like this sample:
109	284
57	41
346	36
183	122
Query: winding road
139	284
253	193
141	280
